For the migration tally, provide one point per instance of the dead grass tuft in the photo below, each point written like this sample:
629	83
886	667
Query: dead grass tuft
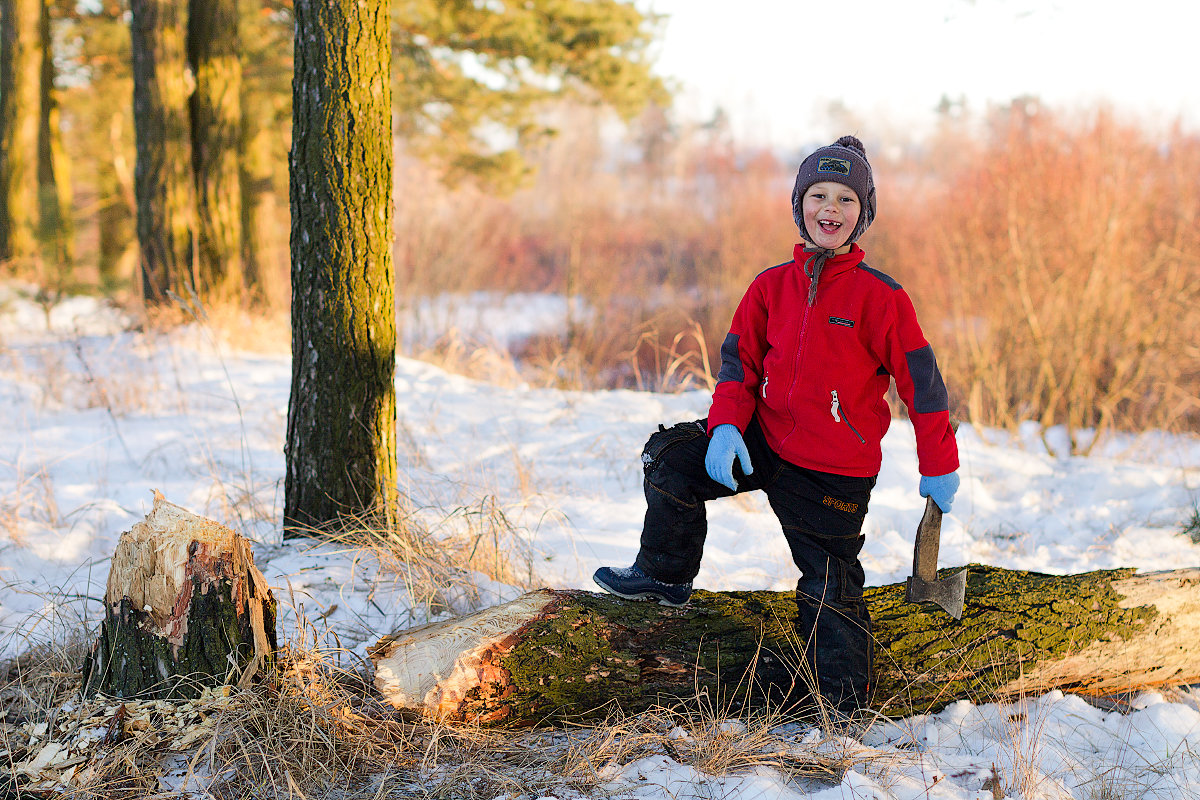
439	554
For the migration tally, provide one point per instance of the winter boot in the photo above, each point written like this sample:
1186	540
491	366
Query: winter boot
633	584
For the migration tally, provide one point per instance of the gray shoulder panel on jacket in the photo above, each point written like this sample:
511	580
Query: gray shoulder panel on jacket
882	276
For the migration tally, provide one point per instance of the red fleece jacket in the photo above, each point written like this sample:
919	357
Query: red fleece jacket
816	375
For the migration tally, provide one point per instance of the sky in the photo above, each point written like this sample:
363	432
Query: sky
775	66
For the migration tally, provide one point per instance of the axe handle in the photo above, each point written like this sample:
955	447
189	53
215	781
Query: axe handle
928	541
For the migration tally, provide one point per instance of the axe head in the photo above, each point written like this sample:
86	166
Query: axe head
924	586
950	593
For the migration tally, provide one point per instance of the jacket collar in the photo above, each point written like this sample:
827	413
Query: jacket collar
834	265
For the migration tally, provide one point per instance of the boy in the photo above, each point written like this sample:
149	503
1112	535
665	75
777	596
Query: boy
799	412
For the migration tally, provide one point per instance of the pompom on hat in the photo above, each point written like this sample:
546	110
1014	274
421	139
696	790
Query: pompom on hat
844	162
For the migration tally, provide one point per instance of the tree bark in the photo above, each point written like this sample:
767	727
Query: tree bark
216	133
266	111
56	230
163	174
553	655
20	68
185	609
341	440
116	210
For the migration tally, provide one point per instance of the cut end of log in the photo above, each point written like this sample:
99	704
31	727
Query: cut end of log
1156	656
432	667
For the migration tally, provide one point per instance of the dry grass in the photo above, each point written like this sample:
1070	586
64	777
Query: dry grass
717	744
313	728
439	553
1059	280
30	501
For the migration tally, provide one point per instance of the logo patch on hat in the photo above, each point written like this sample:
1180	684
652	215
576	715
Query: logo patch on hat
837	165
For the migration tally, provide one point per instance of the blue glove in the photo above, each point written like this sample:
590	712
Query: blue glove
940	487
726	443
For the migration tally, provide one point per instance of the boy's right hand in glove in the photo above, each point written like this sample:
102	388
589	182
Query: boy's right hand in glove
725	445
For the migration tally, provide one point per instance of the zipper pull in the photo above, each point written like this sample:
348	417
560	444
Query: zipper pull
834	406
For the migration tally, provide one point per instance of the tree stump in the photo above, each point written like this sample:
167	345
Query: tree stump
554	655
185	609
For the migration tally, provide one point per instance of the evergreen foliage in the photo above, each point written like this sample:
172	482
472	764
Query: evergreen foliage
469	77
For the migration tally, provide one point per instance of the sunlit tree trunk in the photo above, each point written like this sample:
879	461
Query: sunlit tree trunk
20	67
216	131
341	441
55	226
258	197
163	174
116	209
262	109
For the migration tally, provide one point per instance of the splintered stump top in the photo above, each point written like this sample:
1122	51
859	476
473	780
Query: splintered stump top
185	608
552	655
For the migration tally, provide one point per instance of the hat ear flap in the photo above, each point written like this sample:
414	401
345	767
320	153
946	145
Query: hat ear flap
798	211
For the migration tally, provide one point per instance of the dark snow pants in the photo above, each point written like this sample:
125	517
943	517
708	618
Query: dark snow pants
821	515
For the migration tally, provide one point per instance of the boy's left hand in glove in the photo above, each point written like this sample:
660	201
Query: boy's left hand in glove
941	488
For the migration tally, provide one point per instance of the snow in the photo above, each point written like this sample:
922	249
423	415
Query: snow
100	415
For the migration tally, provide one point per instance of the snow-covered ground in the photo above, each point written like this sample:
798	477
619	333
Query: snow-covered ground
97	417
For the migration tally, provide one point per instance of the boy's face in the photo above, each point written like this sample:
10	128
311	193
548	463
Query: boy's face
831	214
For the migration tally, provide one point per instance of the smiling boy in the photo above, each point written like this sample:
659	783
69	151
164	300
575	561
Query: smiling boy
799	411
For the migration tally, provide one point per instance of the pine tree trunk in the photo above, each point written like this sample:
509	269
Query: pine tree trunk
262	248
163	173
216	133
341	440
116	210
185	609
265	111
20	68
552	655
56	230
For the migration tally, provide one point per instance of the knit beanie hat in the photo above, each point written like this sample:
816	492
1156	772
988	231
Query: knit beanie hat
844	162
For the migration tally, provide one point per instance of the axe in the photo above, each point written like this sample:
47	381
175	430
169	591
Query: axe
924	586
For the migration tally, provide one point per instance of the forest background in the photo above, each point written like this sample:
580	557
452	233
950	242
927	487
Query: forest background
1053	256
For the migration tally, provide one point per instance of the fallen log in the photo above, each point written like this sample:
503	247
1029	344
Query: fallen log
554	655
185	609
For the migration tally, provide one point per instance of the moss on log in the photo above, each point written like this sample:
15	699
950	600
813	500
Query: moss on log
185	609
1014	626
552	655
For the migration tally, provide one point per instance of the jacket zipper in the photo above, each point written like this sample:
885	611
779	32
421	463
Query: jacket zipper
835	408
788	400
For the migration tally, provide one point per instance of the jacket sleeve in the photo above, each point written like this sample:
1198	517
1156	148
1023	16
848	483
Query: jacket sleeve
909	358
742	354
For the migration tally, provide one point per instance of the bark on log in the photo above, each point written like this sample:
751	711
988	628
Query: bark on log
185	609
553	655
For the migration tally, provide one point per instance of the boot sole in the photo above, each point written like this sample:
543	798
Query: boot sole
662	600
